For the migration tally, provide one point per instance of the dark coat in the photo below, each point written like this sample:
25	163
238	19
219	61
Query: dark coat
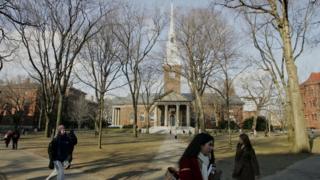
58	149
73	141
189	169
246	165
15	136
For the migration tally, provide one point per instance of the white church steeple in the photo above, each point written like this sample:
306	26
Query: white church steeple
172	51
172	63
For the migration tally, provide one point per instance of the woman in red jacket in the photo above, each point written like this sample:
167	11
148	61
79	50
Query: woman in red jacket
197	162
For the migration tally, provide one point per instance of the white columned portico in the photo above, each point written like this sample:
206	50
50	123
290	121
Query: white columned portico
155	122
188	115
113	118
177	115
118	116
166	115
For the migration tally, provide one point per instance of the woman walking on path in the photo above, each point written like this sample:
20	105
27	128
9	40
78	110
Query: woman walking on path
246	165
58	152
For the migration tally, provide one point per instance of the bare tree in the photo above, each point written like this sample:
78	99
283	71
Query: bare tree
197	34
101	66
137	33
230	65
259	89
287	22
10	11
78	111
53	46
151	88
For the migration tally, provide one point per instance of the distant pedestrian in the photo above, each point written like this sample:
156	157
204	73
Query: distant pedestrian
58	152
246	165
15	139
73	141
7	138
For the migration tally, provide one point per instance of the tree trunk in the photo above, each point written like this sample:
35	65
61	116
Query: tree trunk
40	118
289	118
148	121
196	126
228	118
201	112
101	109
135	111
59	111
96	125
301	142
254	123
47	129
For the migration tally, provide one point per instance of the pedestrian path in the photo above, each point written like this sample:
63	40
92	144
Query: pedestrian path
307	169
23	165
168	155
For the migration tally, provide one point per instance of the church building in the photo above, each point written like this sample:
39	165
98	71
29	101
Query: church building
173	108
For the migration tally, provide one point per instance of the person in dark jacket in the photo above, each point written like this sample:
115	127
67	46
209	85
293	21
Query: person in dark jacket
58	152
7	138
197	161
246	165
73	141
15	139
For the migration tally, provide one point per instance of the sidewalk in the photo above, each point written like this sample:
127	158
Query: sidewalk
22	165
168	155
307	169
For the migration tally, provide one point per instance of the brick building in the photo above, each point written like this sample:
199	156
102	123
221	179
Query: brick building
310	91
19	103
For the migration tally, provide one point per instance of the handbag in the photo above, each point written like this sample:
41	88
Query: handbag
171	174
216	175
51	165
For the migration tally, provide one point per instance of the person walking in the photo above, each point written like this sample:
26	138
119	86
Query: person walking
73	141
58	152
7	138
197	161
246	166
15	139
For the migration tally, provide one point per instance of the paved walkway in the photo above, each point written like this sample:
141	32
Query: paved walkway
168	155
307	169
23	165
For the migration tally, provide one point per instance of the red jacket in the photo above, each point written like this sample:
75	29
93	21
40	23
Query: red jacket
190	169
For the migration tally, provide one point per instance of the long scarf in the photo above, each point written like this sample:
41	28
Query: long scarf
204	165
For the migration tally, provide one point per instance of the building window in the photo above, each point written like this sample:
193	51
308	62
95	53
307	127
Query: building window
172	74
141	117
151	116
131	117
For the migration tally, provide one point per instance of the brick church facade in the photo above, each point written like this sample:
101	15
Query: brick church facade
310	91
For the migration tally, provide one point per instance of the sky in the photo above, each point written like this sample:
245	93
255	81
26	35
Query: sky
307	63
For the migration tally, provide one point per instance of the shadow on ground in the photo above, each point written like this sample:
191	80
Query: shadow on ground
269	163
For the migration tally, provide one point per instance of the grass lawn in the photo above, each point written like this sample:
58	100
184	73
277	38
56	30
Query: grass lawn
122	153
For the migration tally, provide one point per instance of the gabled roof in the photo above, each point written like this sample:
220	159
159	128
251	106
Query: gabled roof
173	97
313	78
